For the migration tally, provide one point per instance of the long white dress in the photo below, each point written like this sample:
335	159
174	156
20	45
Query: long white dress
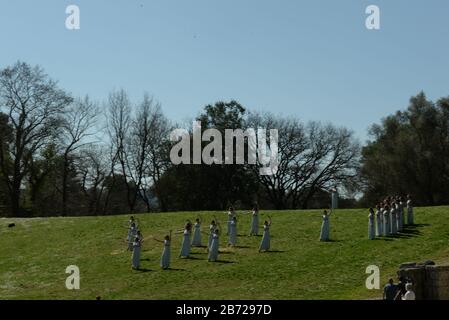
132	232
386	228
185	249
393	225
325	227
211	235
165	259
254	223
401	213
265	243
231	215
196	242
233	233
371	226
398	218
136	253
379	222
213	249
410	218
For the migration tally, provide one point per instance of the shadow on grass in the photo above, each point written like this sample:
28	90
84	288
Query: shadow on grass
143	270
417	225
225	252
222	261
383	239
331	240
198	253
190	258
174	269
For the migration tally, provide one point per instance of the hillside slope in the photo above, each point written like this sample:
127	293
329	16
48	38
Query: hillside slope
35	254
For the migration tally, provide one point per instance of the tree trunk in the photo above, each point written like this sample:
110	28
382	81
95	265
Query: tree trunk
64	185
15	203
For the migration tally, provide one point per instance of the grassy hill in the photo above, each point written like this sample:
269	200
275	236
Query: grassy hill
35	254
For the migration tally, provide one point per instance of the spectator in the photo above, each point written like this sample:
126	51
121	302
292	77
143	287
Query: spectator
401	288
390	290
409	295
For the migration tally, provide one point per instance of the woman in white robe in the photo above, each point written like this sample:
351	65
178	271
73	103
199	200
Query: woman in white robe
379	221
386	228
233	232
410	217
165	258
325	227
371	225
185	248
137	244
214	246
254	222
132	232
393	225
212	227
398	217
265	243
402	206
231	215
401	212
196	242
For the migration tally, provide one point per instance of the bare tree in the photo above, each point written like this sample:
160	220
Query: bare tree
119	123
93	168
34	105
147	147
78	124
312	157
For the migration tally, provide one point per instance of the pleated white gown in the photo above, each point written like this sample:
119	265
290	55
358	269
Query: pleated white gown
136	254
233	233
230	218
196	242
371	227
213	249
254	224
386	228
185	249
393	224
165	259
410	217
379	222
398	219
265	243
132	232
325	228
211	236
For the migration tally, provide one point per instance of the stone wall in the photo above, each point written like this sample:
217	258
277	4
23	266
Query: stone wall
430	282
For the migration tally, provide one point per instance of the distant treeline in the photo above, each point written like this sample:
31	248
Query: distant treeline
63	155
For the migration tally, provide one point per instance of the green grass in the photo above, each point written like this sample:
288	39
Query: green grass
35	254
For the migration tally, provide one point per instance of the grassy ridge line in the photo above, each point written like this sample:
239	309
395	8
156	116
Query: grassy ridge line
34	255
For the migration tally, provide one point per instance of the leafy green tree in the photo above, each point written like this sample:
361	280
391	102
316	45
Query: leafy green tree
34	104
409	154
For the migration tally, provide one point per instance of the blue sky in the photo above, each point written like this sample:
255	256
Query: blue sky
313	59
